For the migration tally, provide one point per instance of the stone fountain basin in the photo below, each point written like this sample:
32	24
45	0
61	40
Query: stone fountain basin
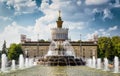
62	61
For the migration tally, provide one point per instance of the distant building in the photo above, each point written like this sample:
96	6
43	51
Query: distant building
84	49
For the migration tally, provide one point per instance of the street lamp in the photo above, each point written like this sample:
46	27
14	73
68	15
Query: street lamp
80	45
38	46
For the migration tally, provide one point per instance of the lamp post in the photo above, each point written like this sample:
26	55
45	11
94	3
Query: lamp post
38	46
80	45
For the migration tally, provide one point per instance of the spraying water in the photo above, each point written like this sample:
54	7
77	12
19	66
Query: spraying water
99	63
89	62
106	64
116	64
94	62
13	65
30	62
3	62
21	61
60	52
26	62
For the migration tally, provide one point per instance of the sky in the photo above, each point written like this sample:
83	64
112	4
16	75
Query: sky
33	17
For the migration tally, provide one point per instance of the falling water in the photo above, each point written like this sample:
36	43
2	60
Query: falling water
26	62
94	62
99	63
13	65
69	51
30	62
69	48
116	64
21	61
106	64
89	62
3	62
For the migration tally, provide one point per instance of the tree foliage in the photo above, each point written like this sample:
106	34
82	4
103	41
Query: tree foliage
4	49
109	47
14	51
41	40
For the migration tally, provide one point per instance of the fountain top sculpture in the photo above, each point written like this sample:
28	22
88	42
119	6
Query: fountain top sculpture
59	22
59	33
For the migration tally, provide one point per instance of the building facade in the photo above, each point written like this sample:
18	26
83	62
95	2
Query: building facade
85	49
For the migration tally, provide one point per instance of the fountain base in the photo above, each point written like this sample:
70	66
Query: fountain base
62	61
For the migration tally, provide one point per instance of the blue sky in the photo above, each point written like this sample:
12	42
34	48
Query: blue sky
32	17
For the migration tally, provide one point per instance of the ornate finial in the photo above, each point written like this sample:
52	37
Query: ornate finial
59	22
59	13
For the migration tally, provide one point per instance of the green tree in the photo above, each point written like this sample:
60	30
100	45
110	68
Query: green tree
42	40
116	45
4	49
14	51
105	47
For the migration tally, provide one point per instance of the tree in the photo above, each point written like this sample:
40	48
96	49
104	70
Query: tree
42	40
14	51
116	44
105	48
109	47
4	49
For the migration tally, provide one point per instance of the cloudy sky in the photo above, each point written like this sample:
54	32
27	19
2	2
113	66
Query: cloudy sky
32	17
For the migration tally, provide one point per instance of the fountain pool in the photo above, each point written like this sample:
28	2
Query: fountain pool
60	71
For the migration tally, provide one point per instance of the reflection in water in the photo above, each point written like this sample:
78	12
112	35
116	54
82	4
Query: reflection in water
60	71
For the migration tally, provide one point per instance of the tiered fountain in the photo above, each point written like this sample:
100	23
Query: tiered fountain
60	51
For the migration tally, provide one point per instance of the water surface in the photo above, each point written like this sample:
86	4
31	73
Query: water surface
60	71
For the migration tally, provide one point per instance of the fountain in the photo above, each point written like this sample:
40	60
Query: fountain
99	63
116	64
89	62
21	61
3	62
13	65
60	50
61	53
106	64
30	63
93	62
26	62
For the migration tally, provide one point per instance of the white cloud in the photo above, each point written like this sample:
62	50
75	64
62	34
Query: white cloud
107	14
95	2
5	18
72	26
22	6
113	28
95	10
79	2
91	36
102	32
117	3
12	32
